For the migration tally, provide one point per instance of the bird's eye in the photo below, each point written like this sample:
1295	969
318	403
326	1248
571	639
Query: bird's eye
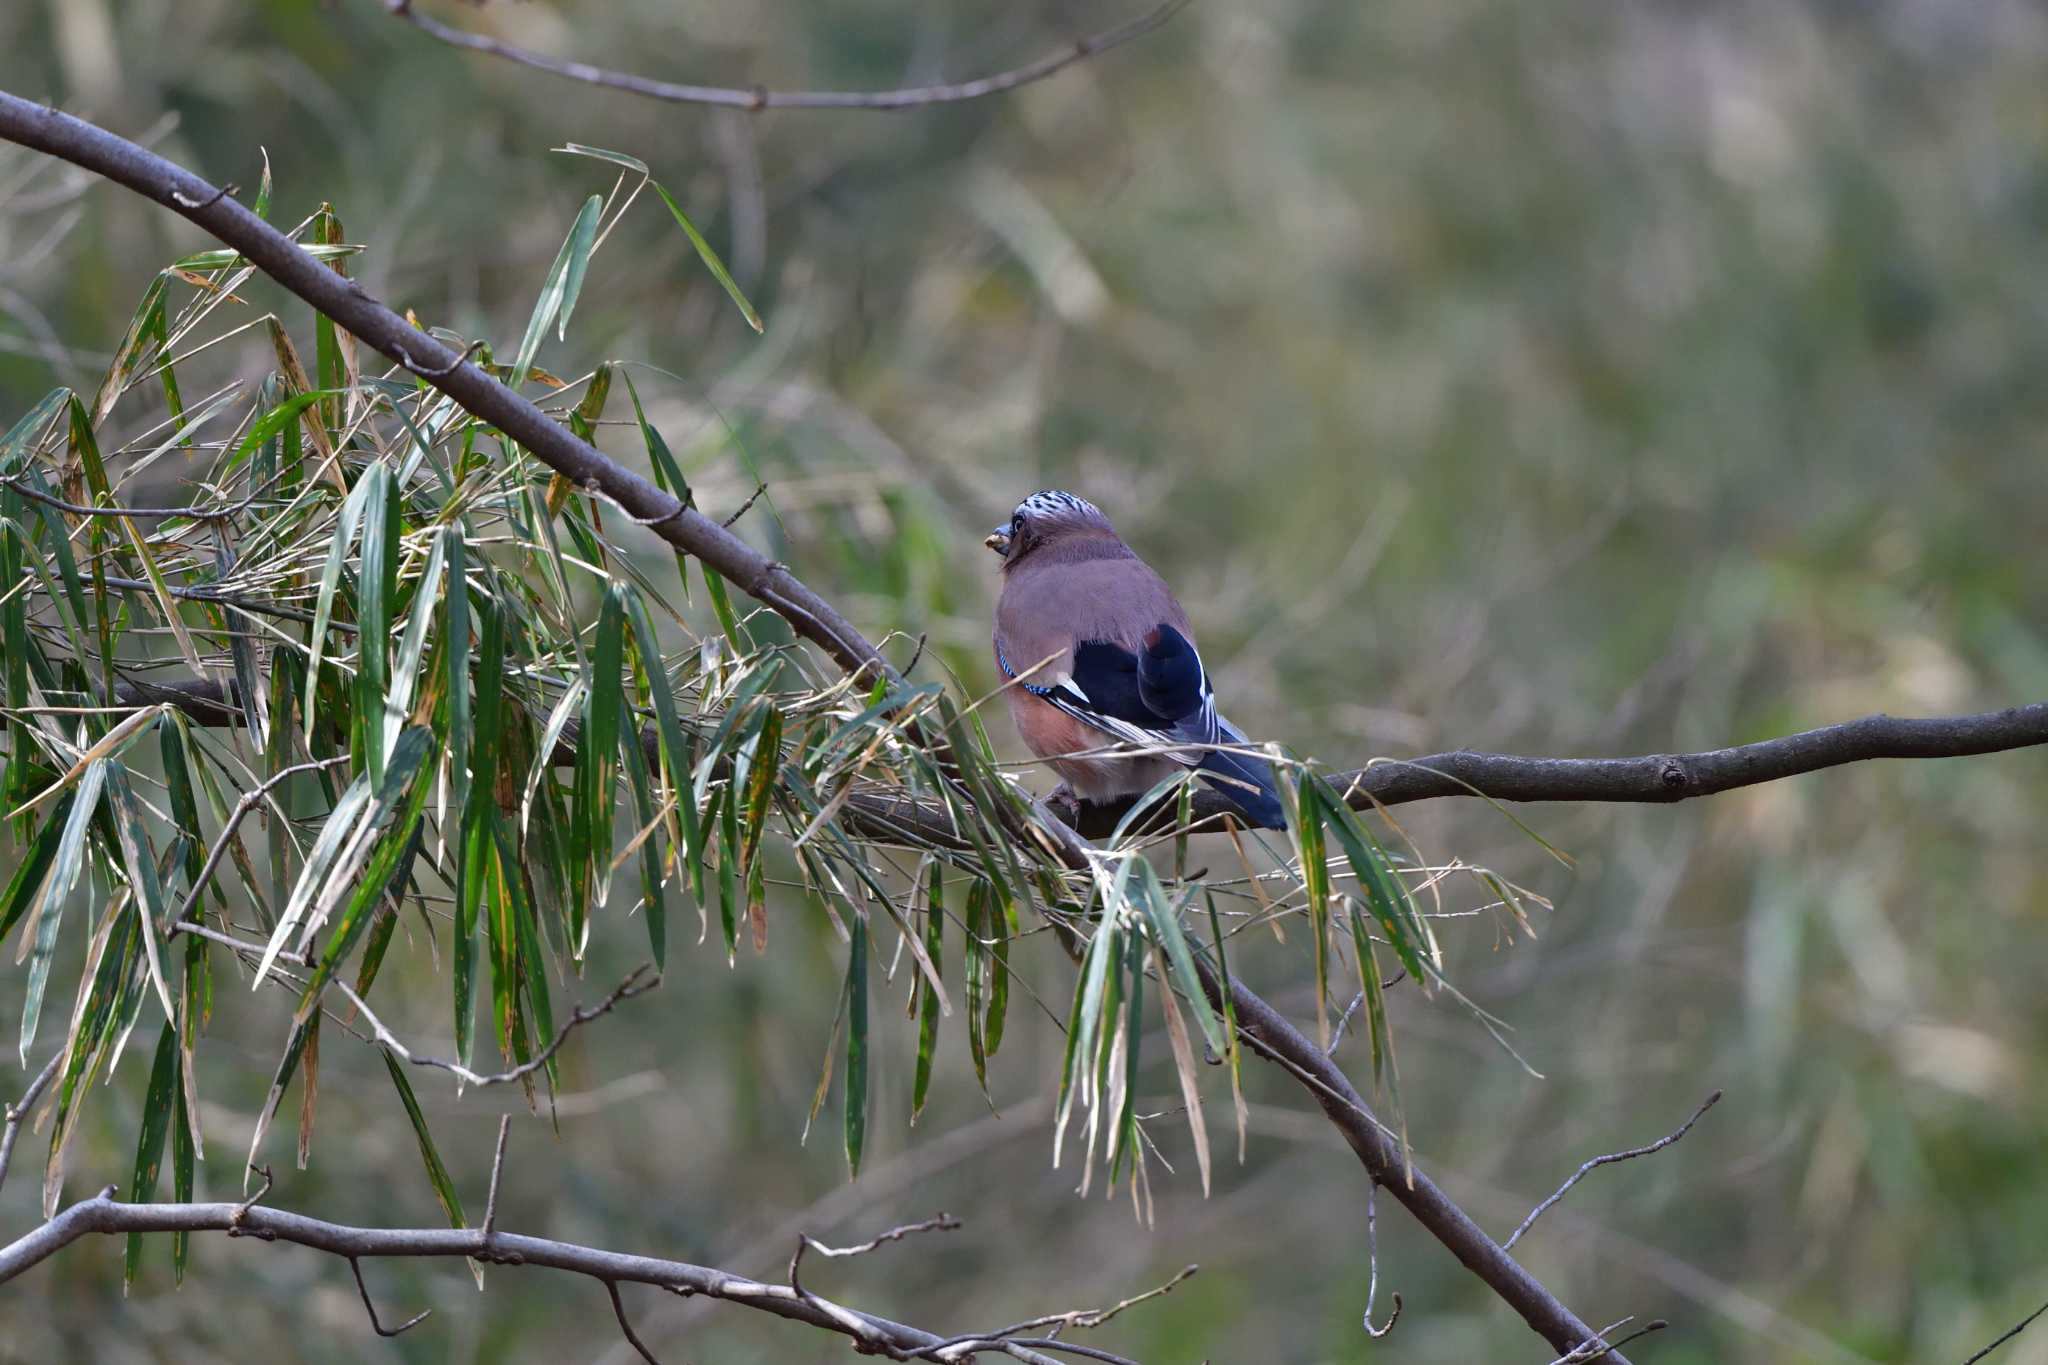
1017	524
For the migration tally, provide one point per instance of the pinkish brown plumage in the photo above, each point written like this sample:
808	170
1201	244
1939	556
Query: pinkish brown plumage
1101	655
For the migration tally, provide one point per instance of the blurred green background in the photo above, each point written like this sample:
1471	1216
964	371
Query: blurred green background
1563	378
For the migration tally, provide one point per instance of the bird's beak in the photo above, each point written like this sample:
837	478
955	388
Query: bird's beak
999	541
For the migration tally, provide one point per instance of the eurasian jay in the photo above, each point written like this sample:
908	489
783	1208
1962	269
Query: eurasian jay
1098	652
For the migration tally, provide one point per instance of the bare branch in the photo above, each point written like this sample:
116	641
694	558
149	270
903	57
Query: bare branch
632	1338
1659	1145
938	1222
34	494
101	1214
757	98
581	1015
1372	1261
1654	778
356	1267
18	1111
2022	1325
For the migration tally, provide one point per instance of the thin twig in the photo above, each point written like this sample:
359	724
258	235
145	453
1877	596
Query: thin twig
34	494
1599	1346
497	1173
381	1330
18	1110
1372	1262
938	1222
758	98
1659	1145
746	506
581	1015
2022	1325
619	1311
250	800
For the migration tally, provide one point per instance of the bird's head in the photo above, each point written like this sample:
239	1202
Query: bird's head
1044	518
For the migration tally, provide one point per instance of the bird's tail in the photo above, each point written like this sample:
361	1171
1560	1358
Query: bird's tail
1248	785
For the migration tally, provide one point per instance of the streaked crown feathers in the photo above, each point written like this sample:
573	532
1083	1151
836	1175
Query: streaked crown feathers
1055	502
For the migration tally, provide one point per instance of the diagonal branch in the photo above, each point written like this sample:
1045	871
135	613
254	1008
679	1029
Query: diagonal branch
758	98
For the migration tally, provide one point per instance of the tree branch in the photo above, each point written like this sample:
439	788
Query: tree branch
18	1111
1654	778
1659	1145
877	1335
757	98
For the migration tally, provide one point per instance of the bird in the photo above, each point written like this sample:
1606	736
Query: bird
1099	653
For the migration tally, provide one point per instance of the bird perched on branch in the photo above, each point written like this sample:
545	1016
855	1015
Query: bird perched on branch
1101	655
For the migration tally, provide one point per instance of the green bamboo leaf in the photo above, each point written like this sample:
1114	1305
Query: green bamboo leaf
70	856
1387	895
977	971
1163	917
856	1046
338	854
557	292
376	589
1085	1019
605	705
430	1157
675	748
146	325
928	1014
631	163
533	966
1305	823
28	874
479	816
157	1105
287	1067
397	701
1381	1036
184	1153
14	446
382	878
347	520
1125	1134
709	257
1002	923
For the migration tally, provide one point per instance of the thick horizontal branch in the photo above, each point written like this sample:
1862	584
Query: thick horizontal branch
759	98
1657	778
872	1334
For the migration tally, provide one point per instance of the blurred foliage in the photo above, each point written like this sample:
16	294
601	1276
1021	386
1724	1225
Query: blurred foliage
1563	378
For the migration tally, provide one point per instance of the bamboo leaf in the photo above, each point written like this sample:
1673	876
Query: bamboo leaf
856	1046
928	1015
69	857
558	292
157	1104
709	257
430	1157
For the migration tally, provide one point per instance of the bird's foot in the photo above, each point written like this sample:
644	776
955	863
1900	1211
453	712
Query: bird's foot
1065	802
